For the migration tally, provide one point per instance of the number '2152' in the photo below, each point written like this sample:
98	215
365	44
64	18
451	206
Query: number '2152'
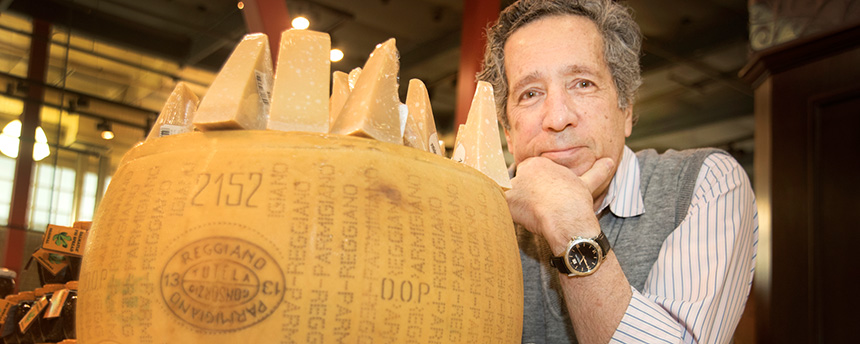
230	189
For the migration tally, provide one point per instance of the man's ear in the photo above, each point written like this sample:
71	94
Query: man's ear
628	120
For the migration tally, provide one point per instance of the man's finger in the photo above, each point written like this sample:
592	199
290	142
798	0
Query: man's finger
598	173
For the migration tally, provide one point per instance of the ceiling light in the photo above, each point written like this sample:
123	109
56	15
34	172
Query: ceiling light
336	55
106	130
240	5
9	139
301	23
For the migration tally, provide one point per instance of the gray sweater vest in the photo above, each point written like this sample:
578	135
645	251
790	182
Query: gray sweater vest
667	182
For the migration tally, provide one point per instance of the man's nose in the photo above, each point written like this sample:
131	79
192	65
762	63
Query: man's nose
559	112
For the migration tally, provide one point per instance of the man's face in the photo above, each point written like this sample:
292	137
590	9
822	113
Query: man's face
562	103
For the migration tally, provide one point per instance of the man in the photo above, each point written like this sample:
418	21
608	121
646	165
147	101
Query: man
615	246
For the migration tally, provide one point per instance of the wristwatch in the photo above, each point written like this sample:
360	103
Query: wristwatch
583	256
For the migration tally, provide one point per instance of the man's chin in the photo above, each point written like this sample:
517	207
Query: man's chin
577	164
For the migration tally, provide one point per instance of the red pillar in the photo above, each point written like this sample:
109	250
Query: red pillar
269	17
36	70
477	15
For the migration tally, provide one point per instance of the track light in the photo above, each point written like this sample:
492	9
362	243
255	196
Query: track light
106	130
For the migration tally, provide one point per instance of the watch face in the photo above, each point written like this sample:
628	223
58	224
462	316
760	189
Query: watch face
583	257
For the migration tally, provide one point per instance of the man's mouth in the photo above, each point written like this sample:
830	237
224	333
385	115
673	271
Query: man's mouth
561	154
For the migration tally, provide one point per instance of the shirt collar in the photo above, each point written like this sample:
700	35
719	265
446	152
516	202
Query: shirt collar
624	197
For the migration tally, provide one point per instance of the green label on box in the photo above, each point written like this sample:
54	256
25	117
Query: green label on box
54	262
65	240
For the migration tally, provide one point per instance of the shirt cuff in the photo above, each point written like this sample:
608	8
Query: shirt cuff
646	322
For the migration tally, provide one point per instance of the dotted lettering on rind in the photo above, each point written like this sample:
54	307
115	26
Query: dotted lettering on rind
222	284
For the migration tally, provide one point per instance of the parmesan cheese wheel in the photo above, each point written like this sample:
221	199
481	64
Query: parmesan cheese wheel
291	237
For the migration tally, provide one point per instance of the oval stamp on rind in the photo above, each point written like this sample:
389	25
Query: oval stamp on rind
222	284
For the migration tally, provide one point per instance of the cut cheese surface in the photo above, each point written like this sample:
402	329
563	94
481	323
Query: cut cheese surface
239	96
459	153
339	92
480	139
420	130
300	94
353	77
372	109
177	113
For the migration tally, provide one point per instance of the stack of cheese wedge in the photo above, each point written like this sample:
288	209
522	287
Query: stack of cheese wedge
365	103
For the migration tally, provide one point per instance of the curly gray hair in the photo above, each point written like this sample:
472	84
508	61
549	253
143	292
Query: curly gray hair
621	36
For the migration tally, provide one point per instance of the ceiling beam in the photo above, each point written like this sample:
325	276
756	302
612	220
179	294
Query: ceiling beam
426	51
106	27
729	79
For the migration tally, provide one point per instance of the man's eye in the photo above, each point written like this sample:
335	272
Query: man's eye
528	95
584	84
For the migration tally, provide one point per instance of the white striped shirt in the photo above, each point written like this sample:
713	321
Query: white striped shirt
697	288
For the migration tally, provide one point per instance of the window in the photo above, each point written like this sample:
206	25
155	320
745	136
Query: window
52	196
7	176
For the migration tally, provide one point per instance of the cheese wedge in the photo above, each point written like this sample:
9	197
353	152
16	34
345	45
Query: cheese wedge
459	153
372	109
353	77
480	140
239	96
177	113
300	95
403	111
339	92
420	130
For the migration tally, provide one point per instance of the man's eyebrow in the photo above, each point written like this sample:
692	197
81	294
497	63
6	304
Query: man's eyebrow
531	77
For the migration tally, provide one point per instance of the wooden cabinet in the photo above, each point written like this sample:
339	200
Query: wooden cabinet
807	112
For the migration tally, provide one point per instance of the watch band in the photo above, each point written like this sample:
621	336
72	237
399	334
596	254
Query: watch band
603	242
558	262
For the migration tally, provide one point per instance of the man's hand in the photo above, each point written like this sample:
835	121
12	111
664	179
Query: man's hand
550	200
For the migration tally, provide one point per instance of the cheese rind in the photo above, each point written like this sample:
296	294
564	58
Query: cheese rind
420	126
339	93
177	113
240	94
292	223
480	139
300	94
372	109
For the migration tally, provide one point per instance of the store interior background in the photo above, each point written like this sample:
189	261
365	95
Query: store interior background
114	62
